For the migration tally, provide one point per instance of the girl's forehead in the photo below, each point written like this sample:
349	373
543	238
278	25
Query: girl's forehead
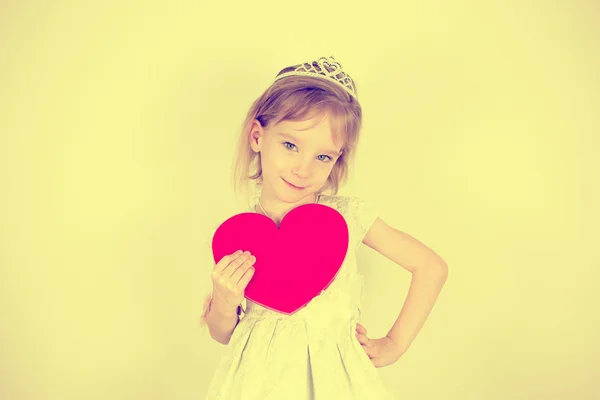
318	123
320	127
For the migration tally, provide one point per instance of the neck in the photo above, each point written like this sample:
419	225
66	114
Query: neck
276	209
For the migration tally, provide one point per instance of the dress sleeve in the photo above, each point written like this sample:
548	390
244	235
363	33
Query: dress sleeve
364	215
205	310
206	284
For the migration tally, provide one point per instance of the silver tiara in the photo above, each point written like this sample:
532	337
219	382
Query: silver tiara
336	75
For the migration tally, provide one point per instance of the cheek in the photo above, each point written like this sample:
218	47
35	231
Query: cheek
322	173
274	160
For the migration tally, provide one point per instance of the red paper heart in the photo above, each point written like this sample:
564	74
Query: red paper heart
294	262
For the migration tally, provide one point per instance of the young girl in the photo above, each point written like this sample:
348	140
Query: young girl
299	139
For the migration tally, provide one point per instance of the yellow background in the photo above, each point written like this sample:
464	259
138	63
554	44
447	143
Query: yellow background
117	124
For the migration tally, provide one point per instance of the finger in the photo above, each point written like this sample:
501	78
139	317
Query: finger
225	260
365	341
243	282
368	351
235	264
242	269
362	339
359	338
361	329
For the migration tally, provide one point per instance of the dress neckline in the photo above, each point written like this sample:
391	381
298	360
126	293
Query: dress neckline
255	204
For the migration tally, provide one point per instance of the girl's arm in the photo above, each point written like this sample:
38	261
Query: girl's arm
429	272
221	321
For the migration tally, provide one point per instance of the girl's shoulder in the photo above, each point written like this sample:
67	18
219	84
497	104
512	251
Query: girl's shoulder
354	208
352	205
337	201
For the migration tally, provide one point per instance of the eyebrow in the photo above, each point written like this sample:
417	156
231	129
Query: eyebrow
331	152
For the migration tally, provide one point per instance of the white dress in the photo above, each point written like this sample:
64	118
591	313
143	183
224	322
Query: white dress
312	354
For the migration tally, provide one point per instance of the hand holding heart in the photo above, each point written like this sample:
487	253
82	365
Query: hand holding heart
295	261
230	276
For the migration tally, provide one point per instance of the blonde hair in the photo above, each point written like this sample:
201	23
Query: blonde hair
300	98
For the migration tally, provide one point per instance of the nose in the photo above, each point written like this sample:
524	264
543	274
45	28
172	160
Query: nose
302	169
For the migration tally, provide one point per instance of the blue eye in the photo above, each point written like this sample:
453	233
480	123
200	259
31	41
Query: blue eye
291	144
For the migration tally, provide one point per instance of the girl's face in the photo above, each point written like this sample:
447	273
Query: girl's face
296	157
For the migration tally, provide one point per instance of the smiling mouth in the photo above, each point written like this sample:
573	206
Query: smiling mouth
293	186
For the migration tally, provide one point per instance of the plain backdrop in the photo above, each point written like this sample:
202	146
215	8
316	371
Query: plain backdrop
480	138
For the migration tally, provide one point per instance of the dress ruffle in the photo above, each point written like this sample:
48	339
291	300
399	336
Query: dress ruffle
205	310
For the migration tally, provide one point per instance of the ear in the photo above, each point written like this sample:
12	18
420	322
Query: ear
256	136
